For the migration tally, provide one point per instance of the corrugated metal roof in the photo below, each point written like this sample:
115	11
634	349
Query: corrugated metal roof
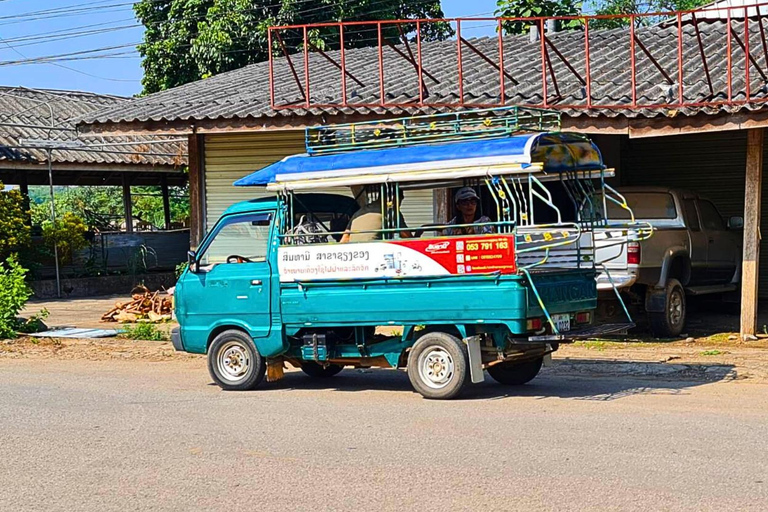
27	114
244	93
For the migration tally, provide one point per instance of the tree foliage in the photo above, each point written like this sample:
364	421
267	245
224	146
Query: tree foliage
186	40
535	9
14	294
102	207
68	233
547	8
628	7
14	222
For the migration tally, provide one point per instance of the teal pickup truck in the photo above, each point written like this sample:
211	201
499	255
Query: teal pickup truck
290	279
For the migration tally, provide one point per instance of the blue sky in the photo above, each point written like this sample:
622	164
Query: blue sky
113	26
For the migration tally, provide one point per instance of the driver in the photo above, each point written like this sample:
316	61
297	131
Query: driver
467	212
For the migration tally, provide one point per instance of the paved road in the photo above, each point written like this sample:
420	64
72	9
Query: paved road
80	435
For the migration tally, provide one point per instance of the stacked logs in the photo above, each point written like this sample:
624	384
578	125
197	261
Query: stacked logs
145	306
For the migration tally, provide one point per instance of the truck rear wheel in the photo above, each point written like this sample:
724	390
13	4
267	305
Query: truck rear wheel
438	366
319	371
670	322
515	374
234	363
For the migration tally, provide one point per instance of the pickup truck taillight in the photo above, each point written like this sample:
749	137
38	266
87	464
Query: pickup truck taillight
633	253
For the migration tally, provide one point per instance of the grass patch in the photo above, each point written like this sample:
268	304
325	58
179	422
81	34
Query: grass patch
144	331
713	352
598	345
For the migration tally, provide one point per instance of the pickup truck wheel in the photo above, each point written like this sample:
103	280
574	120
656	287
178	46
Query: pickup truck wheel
319	371
438	366
515	374
234	363
671	321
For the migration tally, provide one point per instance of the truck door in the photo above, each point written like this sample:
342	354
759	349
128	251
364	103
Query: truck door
232	284
721	251
698	243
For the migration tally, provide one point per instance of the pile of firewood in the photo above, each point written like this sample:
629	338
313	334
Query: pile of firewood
145	306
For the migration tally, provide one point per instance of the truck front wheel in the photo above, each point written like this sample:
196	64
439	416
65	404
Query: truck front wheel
515	374
234	363
438	366
670	322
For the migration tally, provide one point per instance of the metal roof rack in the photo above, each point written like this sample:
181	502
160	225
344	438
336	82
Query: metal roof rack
450	127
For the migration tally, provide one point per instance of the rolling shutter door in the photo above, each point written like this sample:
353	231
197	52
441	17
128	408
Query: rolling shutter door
711	164
230	157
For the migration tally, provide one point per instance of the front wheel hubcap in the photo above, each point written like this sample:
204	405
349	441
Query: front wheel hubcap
436	367
233	361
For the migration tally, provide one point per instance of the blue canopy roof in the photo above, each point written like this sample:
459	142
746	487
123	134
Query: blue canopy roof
556	151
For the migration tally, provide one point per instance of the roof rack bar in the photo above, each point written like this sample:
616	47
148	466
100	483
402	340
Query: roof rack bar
472	124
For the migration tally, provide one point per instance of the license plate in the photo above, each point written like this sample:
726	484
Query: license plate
562	322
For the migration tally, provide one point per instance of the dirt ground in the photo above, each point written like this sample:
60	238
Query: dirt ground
81	313
709	350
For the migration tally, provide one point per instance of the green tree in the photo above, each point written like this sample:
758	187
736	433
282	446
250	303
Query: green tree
535	9
102	207
186	40
14	222
627	7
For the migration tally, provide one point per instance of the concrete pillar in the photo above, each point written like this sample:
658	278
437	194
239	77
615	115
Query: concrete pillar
752	211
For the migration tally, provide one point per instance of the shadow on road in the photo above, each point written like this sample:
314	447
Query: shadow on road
579	380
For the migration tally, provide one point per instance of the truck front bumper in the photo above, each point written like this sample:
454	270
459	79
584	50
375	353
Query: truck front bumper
619	280
176	339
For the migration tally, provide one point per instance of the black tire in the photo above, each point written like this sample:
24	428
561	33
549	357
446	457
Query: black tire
234	363
438	366
318	371
670	322
515	374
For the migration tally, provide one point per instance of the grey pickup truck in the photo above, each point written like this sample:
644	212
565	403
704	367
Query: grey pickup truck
693	251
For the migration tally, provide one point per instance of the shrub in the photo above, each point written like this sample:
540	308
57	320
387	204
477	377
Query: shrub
14	293
68	233
144	331
14	222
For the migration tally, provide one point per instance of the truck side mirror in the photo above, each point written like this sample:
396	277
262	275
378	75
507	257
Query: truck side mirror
192	261
736	223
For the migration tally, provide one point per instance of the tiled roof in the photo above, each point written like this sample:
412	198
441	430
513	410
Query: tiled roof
26	114
244	93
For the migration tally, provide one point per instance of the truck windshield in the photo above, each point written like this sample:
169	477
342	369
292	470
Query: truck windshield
645	205
246	236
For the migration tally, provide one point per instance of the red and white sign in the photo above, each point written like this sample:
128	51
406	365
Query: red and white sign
398	258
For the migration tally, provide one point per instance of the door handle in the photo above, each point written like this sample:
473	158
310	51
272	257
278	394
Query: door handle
256	282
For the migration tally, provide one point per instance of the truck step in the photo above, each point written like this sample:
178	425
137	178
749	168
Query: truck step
705	290
587	332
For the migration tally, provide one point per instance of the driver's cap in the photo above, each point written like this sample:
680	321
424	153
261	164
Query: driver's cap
466	193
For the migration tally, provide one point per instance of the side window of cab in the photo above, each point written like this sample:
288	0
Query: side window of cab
239	239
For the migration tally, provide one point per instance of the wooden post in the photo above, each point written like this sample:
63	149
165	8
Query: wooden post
751	258
166	201
441	211
127	205
196	190
24	189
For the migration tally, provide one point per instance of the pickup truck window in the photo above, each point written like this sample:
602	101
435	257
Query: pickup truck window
710	217
246	236
645	205
691	219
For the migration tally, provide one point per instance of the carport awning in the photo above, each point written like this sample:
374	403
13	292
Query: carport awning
547	152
